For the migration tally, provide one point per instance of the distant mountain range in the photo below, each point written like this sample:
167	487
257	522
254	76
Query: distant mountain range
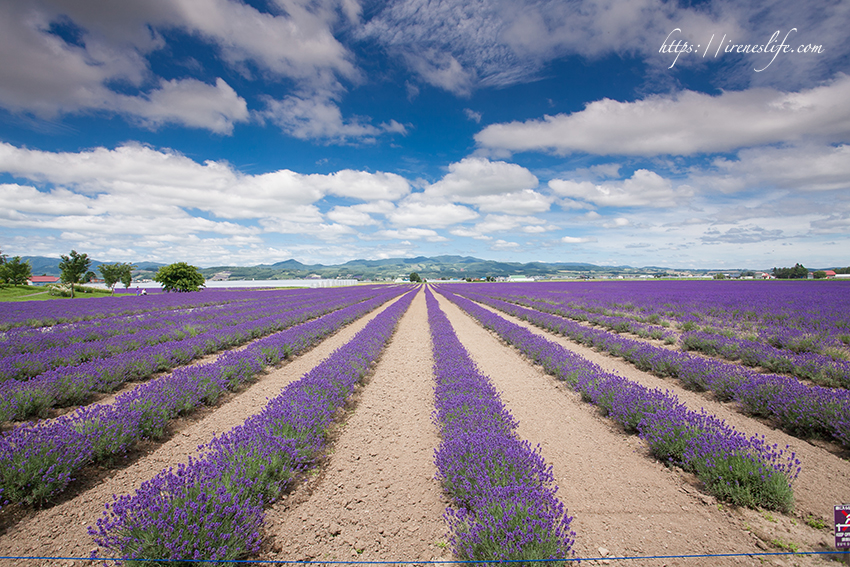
433	268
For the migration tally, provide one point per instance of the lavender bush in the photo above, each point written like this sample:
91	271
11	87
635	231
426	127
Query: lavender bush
212	508
503	491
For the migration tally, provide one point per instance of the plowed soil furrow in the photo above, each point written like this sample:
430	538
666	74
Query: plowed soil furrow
61	530
825	478
376	498
622	500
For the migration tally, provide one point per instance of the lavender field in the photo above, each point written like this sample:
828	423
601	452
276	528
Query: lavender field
92	394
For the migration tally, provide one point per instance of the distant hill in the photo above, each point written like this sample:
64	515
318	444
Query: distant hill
42	265
430	268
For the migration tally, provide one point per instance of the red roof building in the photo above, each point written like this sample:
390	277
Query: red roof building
43	280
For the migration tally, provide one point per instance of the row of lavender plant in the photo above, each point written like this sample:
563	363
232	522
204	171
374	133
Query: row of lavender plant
743	470
797	316
23	366
554	303
819	368
211	509
44	313
800	409
788	358
777	349
36	339
39	460
503	491
73	385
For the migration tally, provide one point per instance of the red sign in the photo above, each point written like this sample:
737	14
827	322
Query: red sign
842	527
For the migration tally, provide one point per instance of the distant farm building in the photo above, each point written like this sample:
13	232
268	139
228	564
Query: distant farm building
43	280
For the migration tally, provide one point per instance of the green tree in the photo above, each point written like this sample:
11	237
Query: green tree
414	277
720	276
114	273
819	275
797	272
74	268
179	276
15	271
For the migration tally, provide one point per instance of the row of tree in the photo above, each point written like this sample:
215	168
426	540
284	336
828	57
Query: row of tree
179	276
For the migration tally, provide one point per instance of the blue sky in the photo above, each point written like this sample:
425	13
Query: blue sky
220	132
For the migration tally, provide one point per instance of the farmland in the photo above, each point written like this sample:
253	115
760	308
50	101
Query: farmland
570	420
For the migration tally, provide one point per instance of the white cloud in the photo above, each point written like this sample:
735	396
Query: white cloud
317	117
508	223
415	212
643	188
188	102
577	239
468	233
504	245
407	233
350	216
801	168
474	177
654	125
472	115
618	222
49	76
144	178
459	45
298	44
442	70
522	202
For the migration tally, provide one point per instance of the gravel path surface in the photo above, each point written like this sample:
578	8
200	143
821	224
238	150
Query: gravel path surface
61	530
623	501
375	498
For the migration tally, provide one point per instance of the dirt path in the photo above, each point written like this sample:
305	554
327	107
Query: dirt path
622	500
376	498
61	531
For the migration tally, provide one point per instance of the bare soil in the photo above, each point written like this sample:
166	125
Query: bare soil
374	497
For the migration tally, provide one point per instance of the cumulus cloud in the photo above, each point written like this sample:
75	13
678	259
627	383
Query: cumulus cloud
577	239
140	178
416	212
643	188
654	125
188	102
351	216
475	176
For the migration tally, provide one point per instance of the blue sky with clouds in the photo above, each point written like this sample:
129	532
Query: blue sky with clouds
640	132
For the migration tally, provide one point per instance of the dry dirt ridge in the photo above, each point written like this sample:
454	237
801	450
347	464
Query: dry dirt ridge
374	498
